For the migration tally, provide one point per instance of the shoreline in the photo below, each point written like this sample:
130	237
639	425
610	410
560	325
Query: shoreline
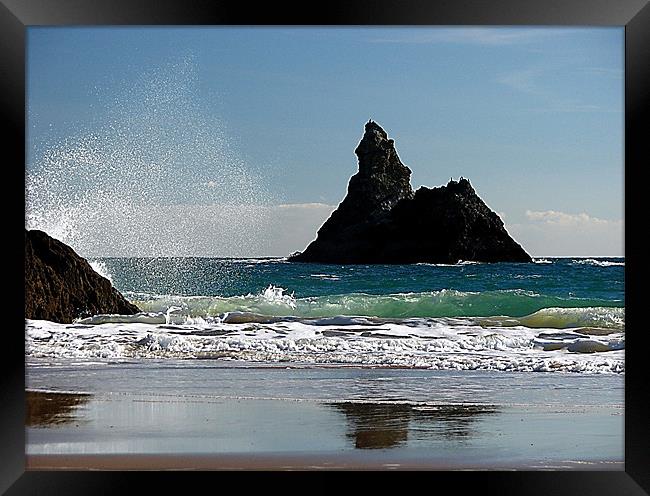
289	462
173	417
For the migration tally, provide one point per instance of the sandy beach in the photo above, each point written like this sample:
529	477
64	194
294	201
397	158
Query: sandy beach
545	425
302	461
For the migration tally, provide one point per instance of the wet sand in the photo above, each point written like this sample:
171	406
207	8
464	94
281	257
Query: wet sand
111	431
302	461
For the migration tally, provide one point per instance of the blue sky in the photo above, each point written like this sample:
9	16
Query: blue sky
185	118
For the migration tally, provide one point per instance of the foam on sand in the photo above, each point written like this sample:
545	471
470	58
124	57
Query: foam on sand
458	344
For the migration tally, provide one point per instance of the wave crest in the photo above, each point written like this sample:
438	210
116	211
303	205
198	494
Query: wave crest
594	320
277	302
599	263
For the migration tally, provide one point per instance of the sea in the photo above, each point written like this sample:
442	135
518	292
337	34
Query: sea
556	315
465	366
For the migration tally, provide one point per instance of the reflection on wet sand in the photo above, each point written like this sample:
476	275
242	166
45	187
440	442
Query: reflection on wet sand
386	425
46	409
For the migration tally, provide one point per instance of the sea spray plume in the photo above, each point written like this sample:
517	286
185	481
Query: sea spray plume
100	267
152	177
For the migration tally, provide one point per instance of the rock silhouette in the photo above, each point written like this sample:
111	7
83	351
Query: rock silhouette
382	221
61	286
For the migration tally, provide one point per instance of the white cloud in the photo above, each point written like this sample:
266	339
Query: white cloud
529	82
523	80
555	233
554	217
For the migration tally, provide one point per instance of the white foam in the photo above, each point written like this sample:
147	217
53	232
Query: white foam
257	261
38	333
325	277
100	267
275	295
599	263
581	344
429	343
142	317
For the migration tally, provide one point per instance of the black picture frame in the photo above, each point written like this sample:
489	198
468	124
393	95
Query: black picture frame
17	15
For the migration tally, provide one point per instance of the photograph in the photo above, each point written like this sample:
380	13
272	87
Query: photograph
325	247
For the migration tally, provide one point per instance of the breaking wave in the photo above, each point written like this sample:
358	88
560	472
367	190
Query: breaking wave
450	344
599	263
278	302
510	330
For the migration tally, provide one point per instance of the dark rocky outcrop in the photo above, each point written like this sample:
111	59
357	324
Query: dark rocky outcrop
381	219
60	286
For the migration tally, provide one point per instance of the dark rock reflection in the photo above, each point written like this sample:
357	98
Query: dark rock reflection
387	425
46	409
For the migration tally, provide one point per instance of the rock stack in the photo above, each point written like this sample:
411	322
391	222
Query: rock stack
382	221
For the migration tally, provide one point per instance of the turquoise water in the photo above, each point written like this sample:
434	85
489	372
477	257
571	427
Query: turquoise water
471	365
562	277
555	315
415	290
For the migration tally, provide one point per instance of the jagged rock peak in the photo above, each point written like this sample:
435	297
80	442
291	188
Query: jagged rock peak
374	138
382	179
382	221
376	150
461	186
